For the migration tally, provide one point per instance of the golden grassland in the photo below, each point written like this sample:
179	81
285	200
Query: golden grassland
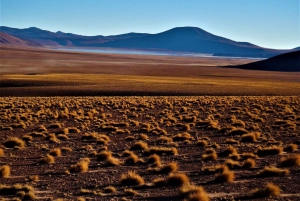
39	72
150	148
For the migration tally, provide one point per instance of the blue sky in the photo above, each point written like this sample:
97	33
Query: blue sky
268	23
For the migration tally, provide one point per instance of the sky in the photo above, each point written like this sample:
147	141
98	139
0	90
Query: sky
267	23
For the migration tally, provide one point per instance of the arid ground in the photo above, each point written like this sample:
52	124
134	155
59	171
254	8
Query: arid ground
38	72
84	126
79	147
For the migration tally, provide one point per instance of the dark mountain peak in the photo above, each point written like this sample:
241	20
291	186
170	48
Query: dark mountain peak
33	28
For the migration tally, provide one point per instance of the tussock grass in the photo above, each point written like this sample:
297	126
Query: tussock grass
177	179
181	137
161	151
2	152
249	163
214	169
209	157
55	152
131	179
232	164
140	145
14	142
290	148
154	160
192	192
237	131
104	155
290	161
81	166
225	176
201	143
25	192
4	171
269	190
131	159
265	151
229	150
164	139
168	168
109	189
48	159
250	137
273	171
130	192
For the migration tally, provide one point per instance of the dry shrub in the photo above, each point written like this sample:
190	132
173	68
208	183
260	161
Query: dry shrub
237	131
290	148
214	169
201	143
140	145
74	130
55	152
112	161
289	161
232	164
130	192
154	160
109	189
1	152
27	138
4	171
273	171
248	155
269	190
130	138
55	125
104	155
229	150
81	166
209	157
177	179
169	168
24	192
14	142
161	151
143	137
193	193
249	163
182	137
231	141
250	137
225	176
273	150
131	159
48	159
131	179
164	139
33	178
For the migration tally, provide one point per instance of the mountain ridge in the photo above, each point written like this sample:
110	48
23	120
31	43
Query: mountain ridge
179	39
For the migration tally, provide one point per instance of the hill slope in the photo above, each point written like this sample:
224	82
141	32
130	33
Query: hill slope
6	39
180	39
288	62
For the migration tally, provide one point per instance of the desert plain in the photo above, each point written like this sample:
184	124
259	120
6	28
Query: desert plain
87	126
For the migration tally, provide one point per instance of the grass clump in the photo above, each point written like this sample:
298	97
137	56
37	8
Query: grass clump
225	176
154	160
14	142
237	131
140	145
109	189
269	190
48	159
55	152
290	148
24	192
130	192
177	179
104	155
230	150
81	166
161	151
249	163
289	161
169	168
1	152
273	150
192	192
131	179
273	171
250	137
4	171
182	137
201	143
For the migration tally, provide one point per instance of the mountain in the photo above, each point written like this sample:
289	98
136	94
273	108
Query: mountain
180	39
288	62
6	39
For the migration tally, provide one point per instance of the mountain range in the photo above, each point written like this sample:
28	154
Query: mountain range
180	39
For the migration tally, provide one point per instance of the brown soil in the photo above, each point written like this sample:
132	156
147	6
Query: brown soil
276	118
